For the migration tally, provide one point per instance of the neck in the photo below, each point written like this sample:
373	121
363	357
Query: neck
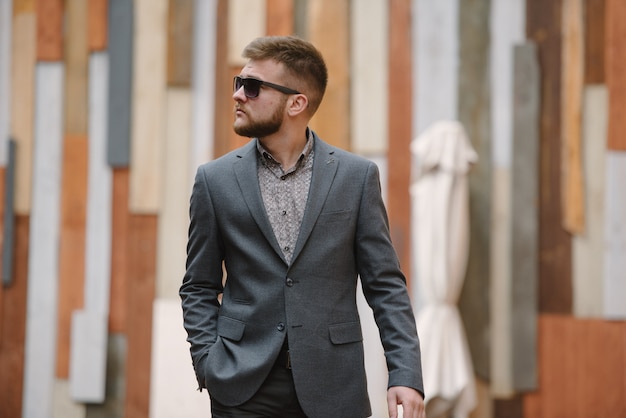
286	149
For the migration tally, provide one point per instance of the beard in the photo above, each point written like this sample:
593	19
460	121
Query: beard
262	128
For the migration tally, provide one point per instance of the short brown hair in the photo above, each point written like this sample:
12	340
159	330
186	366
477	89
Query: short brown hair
300	58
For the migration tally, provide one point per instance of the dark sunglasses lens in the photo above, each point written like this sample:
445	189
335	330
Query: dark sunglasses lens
251	86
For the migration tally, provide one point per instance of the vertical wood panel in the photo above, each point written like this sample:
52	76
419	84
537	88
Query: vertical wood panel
120	43
141	290
616	72
588	248
524	217
400	130
328	23
369	97
506	30
223	84
89	327
474	114
594	33
582	369
120	258
97	24
6	28
543	26
203	84
179	45
43	261
71	243
22	104
615	237
173	222
12	326
572	53
76	63
437	62
280	17
148	105
50	30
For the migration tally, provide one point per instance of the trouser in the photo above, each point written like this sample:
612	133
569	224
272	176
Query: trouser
276	398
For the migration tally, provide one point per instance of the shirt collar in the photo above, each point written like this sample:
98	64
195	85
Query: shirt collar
306	151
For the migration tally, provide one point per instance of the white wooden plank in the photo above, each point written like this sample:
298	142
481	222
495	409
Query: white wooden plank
615	236
246	21
148	125
203	84
507	30
588	248
369	74
173	221
89	326
436	62
6	15
173	390
43	260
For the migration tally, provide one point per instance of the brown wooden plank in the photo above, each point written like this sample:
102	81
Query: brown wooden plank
141	290
280	17
13	326
179	42
400	130
76	67
223	85
50	30
119	251
582	365
97	15
595	41
543	25
616	72
24	6
72	244
573	193
328	29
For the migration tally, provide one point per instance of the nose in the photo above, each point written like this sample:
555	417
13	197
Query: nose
238	95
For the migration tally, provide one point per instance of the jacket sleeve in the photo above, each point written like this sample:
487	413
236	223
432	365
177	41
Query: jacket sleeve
384	287
202	283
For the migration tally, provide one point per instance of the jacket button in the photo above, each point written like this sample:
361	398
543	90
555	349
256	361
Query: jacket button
289	281
280	326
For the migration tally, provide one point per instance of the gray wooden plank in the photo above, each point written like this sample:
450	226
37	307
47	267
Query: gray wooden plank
615	236
120	43
524	216
8	239
474	114
435	62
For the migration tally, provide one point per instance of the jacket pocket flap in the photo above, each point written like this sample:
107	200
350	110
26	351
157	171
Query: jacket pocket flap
230	328
349	332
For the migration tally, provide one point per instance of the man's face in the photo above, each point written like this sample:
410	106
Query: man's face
263	115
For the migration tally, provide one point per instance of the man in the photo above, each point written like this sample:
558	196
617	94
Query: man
281	229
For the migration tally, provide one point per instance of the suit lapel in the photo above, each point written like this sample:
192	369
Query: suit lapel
247	177
325	166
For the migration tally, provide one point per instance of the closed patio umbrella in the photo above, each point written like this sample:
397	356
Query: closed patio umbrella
442	157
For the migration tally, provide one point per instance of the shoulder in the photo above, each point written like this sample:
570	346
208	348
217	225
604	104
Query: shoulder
222	163
345	157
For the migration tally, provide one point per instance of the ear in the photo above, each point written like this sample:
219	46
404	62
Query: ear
297	104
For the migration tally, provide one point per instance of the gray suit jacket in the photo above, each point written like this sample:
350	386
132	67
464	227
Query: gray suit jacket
344	235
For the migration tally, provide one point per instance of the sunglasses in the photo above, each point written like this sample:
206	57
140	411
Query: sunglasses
252	86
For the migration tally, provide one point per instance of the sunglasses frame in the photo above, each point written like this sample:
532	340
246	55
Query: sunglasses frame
241	81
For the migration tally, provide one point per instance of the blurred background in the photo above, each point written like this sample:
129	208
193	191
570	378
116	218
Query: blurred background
108	106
